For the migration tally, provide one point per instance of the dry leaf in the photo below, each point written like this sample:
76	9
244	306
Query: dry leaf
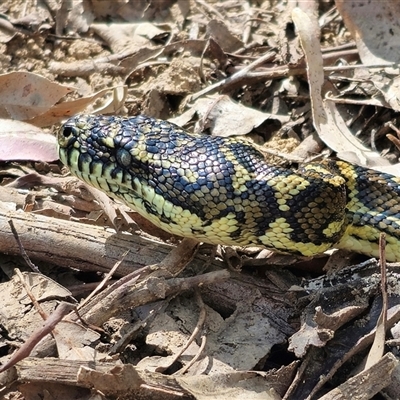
237	385
370	87
366	384
375	27
73	341
74	19
23	141
329	124
17	315
131	36
24	95
7	30
388	83
217	30
238	342
225	117
67	109
378	346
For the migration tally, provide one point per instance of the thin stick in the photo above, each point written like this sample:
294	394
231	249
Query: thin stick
196	330
102	284
28	291
62	310
196	357
378	346
21	248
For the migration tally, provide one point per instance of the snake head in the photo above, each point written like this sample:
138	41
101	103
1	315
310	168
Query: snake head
87	140
84	139
92	147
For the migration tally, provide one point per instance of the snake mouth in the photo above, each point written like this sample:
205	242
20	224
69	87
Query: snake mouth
64	144
70	150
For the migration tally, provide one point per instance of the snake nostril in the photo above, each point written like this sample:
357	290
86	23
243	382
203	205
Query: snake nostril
68	131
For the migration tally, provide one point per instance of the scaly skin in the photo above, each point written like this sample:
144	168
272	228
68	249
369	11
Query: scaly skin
221	190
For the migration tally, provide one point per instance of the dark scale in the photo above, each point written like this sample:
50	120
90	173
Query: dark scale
247	156
268	210
84	158
115	172
314	208
125	139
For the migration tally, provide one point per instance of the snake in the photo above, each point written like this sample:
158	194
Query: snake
221	190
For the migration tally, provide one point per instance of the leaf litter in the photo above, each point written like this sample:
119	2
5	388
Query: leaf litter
273	72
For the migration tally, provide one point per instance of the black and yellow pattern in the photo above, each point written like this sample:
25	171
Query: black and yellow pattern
221	190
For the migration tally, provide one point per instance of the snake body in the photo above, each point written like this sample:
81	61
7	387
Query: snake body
222	191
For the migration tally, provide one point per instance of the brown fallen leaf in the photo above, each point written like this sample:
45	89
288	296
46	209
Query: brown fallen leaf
39	334
328	122
218	30
24	95
127	36
23	141
375	27
114	99
225	117
378	346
